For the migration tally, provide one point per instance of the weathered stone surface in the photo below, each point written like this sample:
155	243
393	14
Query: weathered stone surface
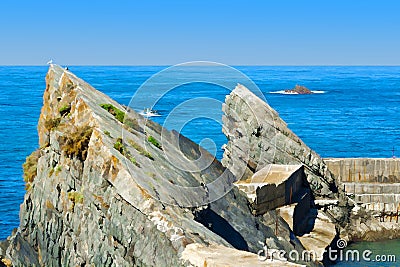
102	193
220	256
365	170
23	251
365	226
274	186
374	185
257	136
321	235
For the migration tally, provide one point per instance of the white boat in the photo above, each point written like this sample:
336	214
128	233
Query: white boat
148	112
290	92
285	92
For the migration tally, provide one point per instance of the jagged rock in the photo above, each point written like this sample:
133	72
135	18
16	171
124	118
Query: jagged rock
104	193
22	251
257	136
366	225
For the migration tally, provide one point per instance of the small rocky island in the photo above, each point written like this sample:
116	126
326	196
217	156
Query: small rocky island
300	90
94	198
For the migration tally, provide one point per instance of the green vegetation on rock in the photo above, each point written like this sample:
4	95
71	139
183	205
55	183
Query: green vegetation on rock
51	123
58	170
119	145
76	143
51	172
140	149
133	160
116	112
76	197
65	110
30	166
154	141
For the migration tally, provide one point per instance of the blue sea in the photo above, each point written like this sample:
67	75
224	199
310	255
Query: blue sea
356	113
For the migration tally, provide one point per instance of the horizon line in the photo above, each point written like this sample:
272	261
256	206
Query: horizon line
233	65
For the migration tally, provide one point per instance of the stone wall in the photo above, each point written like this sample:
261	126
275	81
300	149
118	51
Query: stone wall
372	182
373	170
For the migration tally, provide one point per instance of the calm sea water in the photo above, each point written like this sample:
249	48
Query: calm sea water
385	254
356	116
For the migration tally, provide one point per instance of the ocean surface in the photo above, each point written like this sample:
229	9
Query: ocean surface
355	114
371	254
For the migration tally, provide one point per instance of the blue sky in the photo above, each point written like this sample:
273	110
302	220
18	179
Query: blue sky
280	32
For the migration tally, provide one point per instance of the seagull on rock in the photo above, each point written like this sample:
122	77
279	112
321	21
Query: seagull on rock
50	62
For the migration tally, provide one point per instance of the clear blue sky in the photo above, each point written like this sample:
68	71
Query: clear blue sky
280	32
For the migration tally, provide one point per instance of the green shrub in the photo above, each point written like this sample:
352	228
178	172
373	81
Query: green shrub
76	143
117	113
76	197
107	133
133	160
30	166
140	149
64	110
58	170
120	146
154	141
51	123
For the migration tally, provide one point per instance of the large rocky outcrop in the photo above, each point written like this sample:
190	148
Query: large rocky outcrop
104	193
257	136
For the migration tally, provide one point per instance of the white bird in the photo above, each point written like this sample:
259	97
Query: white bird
50	62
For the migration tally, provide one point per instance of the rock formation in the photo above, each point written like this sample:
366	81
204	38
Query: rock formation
257	136
102	190
299	89
107	187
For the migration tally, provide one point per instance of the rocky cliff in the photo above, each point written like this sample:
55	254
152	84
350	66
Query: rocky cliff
104	189
257	136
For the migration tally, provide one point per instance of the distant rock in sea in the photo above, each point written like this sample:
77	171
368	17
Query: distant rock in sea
299	89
